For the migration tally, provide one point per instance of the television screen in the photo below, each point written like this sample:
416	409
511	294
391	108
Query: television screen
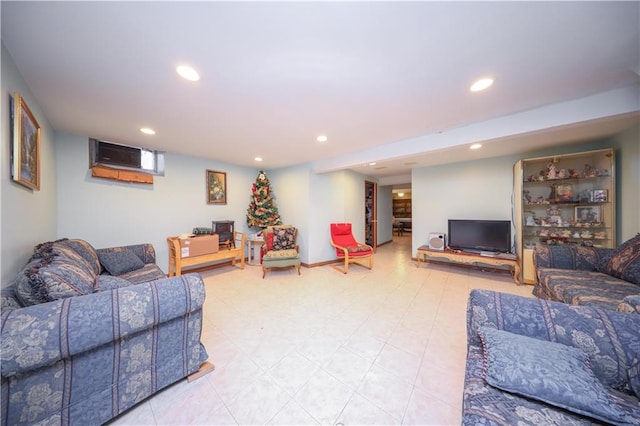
480	235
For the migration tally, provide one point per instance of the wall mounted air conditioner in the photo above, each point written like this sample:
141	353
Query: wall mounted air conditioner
125	157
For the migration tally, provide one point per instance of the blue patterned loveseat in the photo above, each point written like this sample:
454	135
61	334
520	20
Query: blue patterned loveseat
81	345
539	362
606	278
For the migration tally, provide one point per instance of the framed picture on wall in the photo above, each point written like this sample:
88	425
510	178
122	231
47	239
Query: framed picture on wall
216	187
588	214
25	145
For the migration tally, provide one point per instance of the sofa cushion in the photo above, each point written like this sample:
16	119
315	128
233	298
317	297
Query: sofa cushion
630	304
118	262
109	282
624	263
580	287
550	372
281	254
149	272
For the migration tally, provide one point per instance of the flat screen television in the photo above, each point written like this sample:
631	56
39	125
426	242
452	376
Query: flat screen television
480	235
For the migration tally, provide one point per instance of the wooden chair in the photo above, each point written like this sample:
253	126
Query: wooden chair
348	248
280	248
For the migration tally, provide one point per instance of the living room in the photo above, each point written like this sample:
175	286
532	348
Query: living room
71	203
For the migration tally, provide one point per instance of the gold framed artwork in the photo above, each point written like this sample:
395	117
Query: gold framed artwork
25	151
216	187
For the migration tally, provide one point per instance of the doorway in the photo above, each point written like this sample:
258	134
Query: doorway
370	213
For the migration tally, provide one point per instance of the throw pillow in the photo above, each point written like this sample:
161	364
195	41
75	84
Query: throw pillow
284	238
546	371
624	263
51	279
121	261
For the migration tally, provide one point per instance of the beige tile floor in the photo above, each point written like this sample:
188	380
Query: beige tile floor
385	346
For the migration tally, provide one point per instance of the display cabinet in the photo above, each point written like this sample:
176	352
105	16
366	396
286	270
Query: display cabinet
564	199
402	208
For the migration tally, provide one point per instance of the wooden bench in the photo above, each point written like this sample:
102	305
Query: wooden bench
177	263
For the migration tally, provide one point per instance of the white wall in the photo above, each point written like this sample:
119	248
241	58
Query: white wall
28	216
312	201
290	187
470	190
108	213
627	145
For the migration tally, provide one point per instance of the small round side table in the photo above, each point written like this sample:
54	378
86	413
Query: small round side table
254	244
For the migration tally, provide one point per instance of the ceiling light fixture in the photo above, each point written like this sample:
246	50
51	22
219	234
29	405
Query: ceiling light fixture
373	163
475	146
481	84
188	73
400	194
322	138
258	158
147	131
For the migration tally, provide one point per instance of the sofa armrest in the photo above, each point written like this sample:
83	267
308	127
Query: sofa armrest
610	338
43	334
569	257
144	251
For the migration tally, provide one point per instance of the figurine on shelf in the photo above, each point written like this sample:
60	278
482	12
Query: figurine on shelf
530	219
552	194
589	171
574	174
586	234
601	235
562	173
527	196
552	172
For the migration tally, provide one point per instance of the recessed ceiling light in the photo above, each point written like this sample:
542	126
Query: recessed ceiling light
475	146
322	138
258	158
147	131
188	73
373	163
481	84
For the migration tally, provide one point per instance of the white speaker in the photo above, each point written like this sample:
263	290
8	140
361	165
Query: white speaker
437	240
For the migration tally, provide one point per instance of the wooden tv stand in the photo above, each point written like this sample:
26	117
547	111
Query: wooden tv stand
177	262
474	259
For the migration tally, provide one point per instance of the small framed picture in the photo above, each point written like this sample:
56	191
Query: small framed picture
216	187
25	152
588	214
564	192
598	196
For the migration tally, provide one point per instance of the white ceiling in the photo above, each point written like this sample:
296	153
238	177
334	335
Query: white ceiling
385	81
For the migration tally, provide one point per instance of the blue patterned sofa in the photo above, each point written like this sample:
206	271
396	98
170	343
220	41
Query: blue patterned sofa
534	362
81	345
606	278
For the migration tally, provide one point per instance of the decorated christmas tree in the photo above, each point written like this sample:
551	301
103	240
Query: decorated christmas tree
262	211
